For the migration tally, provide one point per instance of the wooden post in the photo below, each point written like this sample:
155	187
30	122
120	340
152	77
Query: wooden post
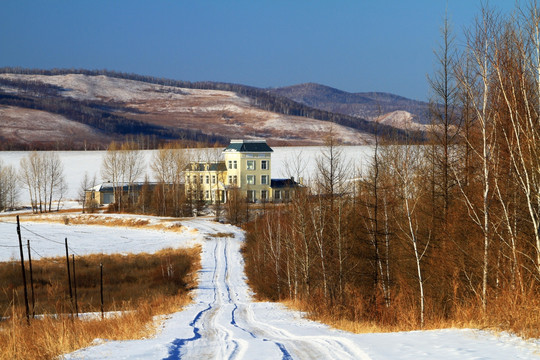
75	286
101	287
69	279
31	280
23	272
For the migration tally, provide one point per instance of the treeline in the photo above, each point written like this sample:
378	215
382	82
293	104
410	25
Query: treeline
162	192
432	235
260	98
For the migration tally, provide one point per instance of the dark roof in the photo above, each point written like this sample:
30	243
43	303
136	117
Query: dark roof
200	166
108	186
249	146
282	183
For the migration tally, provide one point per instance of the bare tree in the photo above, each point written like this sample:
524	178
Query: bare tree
86	184
43	175
9	188
478	89
446	122
111	170
407	168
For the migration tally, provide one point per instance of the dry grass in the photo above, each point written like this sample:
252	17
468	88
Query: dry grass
515	313
139	286
105	220
49	337
221	235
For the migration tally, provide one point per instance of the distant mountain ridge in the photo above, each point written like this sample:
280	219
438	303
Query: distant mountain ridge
72	108
368	105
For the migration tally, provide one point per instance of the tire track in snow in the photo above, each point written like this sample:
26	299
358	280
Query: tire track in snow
227	255
216	341
212	338
309	347
177	344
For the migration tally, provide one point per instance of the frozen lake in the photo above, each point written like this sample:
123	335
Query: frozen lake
77	163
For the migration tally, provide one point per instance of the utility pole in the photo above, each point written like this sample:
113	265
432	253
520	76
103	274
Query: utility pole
75	286
23	272
69	279
31	279
101	287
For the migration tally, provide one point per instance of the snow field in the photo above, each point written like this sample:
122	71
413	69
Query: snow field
47	239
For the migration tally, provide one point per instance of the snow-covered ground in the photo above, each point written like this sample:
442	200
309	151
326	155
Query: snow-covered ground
224	322
47	239
77	163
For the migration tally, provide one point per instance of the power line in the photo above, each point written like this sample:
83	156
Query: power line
41	236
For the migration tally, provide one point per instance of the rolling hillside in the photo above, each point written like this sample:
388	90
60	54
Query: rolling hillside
74	109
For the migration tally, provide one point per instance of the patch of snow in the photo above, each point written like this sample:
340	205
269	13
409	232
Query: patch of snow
102	87
47	239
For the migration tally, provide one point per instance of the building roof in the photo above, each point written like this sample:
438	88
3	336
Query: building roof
201	166
108	186
248	146
282	183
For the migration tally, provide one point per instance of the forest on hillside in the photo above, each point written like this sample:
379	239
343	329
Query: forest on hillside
102	116
260	98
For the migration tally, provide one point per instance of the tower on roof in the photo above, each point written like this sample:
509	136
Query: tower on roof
248	168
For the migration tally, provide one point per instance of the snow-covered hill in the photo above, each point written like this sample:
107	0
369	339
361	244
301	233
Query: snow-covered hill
215	112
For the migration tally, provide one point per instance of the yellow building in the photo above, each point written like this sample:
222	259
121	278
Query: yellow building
249	168
205	181
246	168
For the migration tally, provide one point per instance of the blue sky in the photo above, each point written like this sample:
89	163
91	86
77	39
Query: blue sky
353	45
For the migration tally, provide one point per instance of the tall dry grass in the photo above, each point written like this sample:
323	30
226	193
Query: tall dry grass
103	220
512	312
51	337
138	286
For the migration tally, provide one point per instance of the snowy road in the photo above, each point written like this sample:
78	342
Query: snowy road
224	323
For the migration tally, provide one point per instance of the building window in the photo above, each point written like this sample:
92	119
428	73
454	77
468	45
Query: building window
251	196
207	179
188	178
207	194
213	179
230	164
235	164
264	164
194	179
235	180
200	179
251	179
230	180
251	164
287	195
264	195
264	179
277	194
